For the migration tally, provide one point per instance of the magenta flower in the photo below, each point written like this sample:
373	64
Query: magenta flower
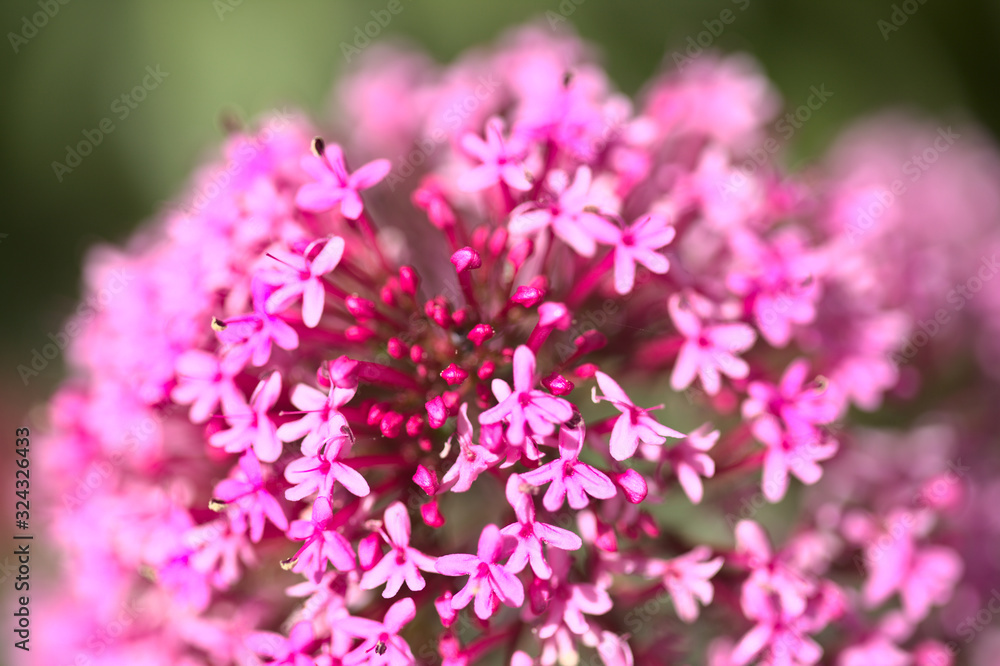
251	425
707	350
321	421
317	473
569	478
291	651
298	276
490	583
792	401
528	412
333	186
323	543
634	425
501	160
202	383
472	460
571	213
533	200
797	451
530	535
636	244
248	338
252	498
401	563
382	645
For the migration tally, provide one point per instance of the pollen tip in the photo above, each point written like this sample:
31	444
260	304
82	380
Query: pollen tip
318	146
218	324
289	563
216	504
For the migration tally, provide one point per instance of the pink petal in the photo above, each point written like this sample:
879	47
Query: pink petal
370	174
329	257
397	524
524	369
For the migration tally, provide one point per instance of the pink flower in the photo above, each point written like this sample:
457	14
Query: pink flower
568	476
489	582
247	488
691	462
382	645
530	535
707	350
296	275
321	420
686	578
291	651
202	383
792	401
501	161
924	576
796	451
334	186
322	543
472	460
634	425
401	563
770	573
316	474
528	411
636	244
251	425
249	337
571	214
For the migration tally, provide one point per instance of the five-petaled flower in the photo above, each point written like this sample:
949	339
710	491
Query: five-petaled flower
299	276
490	582
334	185
634	425
402	562
636	244
381	645
528	411
707	349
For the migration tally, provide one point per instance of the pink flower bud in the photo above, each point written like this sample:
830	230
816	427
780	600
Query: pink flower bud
466	259
454	375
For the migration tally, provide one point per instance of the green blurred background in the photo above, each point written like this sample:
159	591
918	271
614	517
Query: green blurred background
248	56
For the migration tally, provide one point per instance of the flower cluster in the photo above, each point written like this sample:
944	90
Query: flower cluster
513	358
